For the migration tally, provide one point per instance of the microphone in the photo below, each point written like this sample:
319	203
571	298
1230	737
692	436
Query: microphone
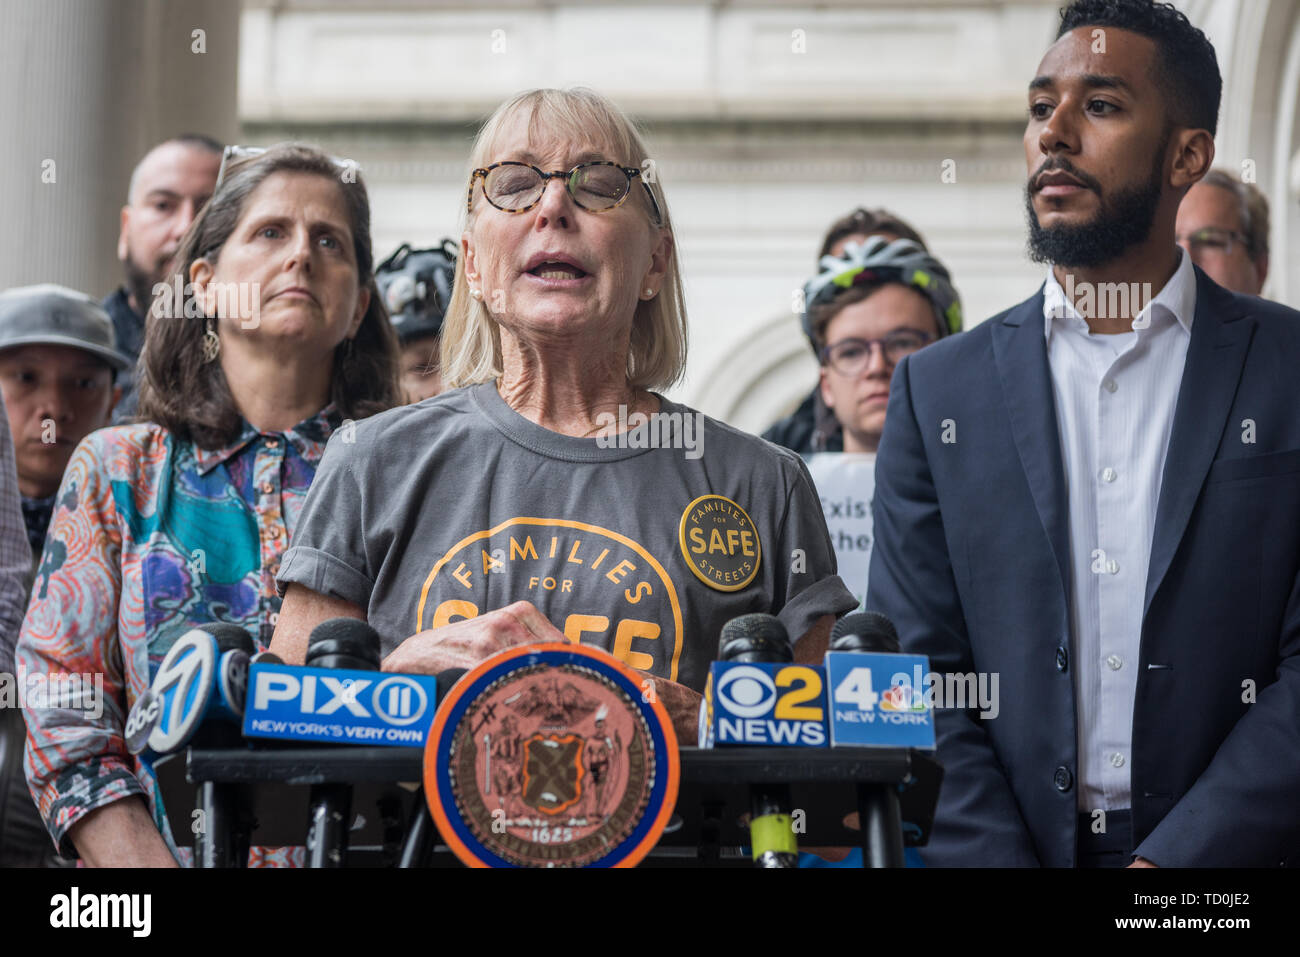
237	650
448	678
865	631
878	697
197	696
339	696
230	637
353	645
871	709
754	638
348	643
417	848
749	640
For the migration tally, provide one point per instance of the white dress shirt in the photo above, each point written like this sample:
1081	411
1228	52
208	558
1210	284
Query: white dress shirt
1115	399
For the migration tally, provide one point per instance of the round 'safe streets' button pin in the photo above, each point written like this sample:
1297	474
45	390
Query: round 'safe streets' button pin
719	543
550	755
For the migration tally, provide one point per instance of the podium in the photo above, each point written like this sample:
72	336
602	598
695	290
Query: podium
363	815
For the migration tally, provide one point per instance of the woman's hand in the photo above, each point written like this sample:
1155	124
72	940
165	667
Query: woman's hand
463	644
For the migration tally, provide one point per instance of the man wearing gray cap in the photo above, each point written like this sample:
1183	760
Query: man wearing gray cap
58	365
59	362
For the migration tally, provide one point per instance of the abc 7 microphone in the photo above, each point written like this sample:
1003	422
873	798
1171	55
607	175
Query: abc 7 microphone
197	696
750	639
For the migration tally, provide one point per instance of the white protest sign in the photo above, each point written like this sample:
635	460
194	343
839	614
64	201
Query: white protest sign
846	483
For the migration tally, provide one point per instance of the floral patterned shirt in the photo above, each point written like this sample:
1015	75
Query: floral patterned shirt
151	536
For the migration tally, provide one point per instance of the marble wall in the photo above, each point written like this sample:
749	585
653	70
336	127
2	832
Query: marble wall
767	121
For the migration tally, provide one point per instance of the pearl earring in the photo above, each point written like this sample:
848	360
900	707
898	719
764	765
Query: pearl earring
649	294
476	293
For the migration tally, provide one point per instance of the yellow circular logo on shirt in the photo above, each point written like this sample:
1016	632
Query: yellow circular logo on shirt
719	543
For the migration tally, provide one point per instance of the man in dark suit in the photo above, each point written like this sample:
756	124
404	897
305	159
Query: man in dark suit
1096	496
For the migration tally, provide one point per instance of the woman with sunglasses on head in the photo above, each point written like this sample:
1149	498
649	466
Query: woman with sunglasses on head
180	520
553	493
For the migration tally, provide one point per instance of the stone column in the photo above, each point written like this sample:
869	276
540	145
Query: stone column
86	87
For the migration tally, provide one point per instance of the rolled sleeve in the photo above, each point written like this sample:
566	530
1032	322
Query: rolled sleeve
322	572
327	552
69	658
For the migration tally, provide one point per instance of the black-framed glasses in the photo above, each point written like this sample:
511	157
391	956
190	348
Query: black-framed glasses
234	155
1214	239
597	186
850	356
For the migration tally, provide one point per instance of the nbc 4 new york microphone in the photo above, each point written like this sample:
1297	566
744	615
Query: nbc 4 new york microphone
862	696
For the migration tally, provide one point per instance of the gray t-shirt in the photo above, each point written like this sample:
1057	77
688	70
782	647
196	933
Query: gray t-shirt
457	505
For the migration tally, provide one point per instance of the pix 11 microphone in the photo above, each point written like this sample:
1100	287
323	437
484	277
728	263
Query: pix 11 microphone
339	643
339	696
344	643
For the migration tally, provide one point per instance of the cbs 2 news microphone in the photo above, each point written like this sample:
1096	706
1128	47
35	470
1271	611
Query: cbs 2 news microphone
864	695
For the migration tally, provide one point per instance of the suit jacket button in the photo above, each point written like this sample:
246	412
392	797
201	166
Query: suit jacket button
1063	779
1062	658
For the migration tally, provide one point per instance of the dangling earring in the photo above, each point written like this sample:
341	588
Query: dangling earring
347	350
211	344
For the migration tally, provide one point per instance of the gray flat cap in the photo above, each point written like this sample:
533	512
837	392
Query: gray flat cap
58	316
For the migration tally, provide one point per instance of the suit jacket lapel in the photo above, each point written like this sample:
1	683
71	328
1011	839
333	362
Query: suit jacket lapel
1221	334
1020	352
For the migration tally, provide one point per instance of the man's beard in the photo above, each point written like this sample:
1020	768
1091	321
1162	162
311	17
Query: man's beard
140	284
1123	221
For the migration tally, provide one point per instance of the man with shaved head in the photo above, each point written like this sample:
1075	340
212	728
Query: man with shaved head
168	188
